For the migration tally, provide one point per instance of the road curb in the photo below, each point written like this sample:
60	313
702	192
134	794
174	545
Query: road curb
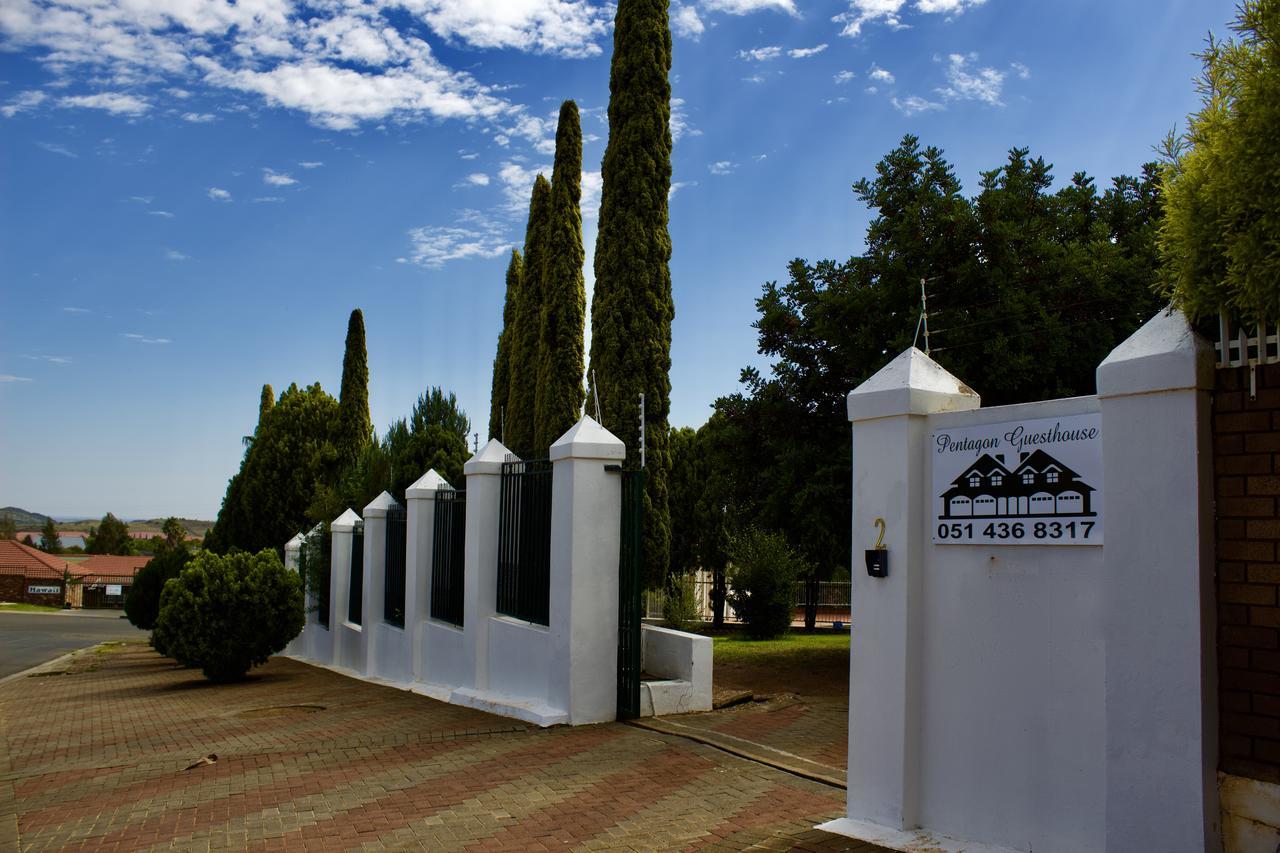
40	666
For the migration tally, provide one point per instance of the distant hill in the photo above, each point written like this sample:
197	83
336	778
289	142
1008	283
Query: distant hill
23	519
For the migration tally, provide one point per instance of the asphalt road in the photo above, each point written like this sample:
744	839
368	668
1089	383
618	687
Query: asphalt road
28	639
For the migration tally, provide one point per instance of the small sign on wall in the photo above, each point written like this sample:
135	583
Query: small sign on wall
37	589
1034	482
115	589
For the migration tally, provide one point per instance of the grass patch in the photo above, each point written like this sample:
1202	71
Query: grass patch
807	664
737	648
27	608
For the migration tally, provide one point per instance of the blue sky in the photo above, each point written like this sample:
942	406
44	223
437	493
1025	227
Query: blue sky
194	195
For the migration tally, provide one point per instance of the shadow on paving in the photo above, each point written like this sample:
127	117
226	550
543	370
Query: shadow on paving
131	754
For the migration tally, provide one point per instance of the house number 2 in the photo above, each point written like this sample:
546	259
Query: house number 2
880	538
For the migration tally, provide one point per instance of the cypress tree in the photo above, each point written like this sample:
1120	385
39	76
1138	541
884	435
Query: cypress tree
522	365
631	310
559	394
500	393
355	426
265	402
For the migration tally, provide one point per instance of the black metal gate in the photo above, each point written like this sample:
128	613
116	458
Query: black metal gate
314	567
355	599
524	541
630	570
447	555
393	585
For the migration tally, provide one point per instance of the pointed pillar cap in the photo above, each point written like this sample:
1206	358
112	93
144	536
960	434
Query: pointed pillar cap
346	522
911	384
1165	354
587	439
427	486
295	543
378	507
489	459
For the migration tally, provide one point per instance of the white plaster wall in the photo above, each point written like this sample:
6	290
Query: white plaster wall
388	650
297	646
448	655
679	657
520	662
1012	688
348	638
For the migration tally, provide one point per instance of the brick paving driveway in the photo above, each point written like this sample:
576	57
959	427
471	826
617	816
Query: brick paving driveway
94	758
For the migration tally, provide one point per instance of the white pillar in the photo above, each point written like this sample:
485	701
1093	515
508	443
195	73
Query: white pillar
376	640
420	501
1161	677
292	550
480	575
586	511
889	435
348	649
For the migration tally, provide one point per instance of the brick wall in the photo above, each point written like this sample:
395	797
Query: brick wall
1246	458
14	588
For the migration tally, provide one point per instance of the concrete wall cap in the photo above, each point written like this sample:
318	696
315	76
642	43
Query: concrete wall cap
911	384
587	439
295	543
378	507
345	522
427	486
1165	354
489	460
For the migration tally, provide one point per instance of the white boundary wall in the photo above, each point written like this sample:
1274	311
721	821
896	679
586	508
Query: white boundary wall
1035	697
561	673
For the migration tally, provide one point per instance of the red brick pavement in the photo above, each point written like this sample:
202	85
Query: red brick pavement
94	759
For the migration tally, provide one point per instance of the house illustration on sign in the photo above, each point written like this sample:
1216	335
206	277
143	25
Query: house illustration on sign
1039	486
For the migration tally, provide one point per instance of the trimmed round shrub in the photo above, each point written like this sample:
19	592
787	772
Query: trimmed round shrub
762	578
680	608
227	614
142	604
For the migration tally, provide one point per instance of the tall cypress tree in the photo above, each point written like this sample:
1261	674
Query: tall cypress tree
501	390
265	402
522	365
631	310
355	425
560	394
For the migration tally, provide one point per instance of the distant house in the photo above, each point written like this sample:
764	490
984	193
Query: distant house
30	576
104	579
1039	486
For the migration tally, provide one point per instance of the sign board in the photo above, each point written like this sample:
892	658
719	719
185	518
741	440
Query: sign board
1034	482
115	589
37	589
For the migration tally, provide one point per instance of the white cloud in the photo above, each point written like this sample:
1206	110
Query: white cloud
267	199
180	94
761	54
116	103
219	194
71	310
913	104
142	199
57	149
277	179
199	118
311	164
806	52
685	22
754	78
879	74
9	377
143	339
1023	72
759	158
563	27
722	167
478	179
842	77
23	102
680	121
468	155
980	84
592	184
746	7
677	186
161	213
52	359
474	236
890	13
175	255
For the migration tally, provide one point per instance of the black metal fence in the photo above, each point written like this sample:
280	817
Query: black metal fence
630	568
355	598
524	541
829	601
393	584
447	555
313	568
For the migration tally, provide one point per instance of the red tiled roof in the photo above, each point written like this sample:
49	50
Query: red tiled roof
19	559
109	566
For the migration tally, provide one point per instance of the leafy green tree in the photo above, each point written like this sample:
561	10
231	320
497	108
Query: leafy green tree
762	577
1222	189
523	362
111	536
632	309
175	535
8	529
142	603
501	389
229	614
49	541
356	427
28	541
434	436
560	392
